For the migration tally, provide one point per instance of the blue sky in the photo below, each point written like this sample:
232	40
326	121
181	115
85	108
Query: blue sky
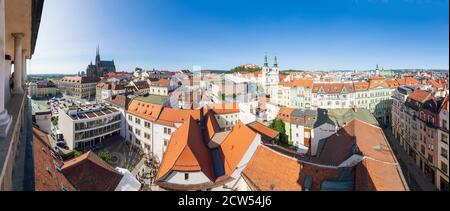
221	34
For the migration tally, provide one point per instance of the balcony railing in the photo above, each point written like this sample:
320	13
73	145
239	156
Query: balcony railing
9	144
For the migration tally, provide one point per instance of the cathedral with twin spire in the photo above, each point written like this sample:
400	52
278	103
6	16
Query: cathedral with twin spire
100	68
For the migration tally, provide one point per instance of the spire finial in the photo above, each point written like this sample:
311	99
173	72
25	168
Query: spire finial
266	62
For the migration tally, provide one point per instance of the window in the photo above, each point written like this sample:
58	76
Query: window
186	176
147	124
307	135
137	132
444	167
444	139
444	153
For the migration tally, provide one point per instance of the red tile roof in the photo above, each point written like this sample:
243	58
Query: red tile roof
161	83
47	177
371	175
392	83
377	82
437	84
225	108
361	86
170	116
408	81
333	88
420	96
271	171
186	152
235	145
263	130
445	104
285	114
89	172
144	110
308	84
340	146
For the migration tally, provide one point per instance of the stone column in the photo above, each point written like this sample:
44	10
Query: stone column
5	118
18	70
24	68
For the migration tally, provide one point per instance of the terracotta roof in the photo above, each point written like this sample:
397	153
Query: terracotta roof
407	81
445	104
80	80
371	175
392	83
437	84
271	171
352	139
118	100
376	82
308	84
161	83
46	175
186	152
144	110
89	172
170	116
234	147
361	86
285	114
225	108
141	85
263	130
420	95
333	88
110	86
212	127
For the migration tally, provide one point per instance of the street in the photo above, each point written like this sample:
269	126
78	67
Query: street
417	181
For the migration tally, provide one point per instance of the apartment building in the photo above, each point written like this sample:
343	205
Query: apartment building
333	95
79	87
105	90
86	126
442	162
42	89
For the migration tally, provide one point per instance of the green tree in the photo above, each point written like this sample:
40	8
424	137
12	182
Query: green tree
75	153
279	126
54	121
105	155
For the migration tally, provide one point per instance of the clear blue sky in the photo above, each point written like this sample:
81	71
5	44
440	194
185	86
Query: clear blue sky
221	34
